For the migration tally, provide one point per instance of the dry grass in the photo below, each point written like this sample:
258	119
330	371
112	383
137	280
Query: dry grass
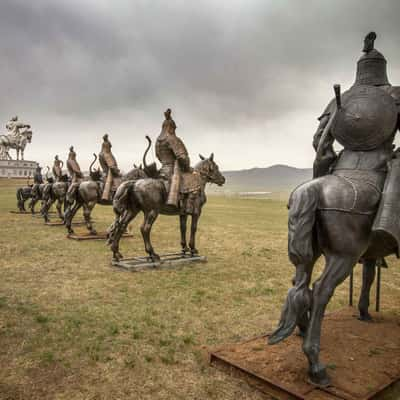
71	327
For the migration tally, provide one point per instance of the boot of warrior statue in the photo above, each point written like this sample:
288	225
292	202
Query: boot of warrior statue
110	168
174	159
57	168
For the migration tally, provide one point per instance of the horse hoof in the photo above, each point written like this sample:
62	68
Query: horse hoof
365	317
117	257
93	232
155	257
194	252
319	377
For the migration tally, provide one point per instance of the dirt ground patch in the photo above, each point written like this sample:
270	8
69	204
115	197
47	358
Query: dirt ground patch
361	357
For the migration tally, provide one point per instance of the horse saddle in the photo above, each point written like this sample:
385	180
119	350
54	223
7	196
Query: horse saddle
352	191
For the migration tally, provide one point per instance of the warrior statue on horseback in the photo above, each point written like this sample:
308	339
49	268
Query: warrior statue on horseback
37	188
18	135
349	211
55	191
98	189
175	189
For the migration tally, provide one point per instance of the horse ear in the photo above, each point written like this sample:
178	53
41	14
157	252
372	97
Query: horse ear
134	166
140	166
201	157
212	157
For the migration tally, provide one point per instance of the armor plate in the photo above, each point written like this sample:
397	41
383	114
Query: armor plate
387	219
73	167
366	120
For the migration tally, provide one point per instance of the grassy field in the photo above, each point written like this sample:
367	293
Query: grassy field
72	327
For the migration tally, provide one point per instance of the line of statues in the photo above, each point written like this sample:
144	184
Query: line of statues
175	189
349	212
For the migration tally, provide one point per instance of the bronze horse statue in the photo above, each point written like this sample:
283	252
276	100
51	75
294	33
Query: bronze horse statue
23	194
55	192
88	194
149	195
349	212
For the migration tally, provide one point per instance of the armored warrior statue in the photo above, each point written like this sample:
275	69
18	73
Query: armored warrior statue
174	158
349	212
110	168
73	167
57	168
38	183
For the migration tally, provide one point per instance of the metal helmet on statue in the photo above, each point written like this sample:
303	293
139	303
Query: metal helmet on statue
368	115
371	67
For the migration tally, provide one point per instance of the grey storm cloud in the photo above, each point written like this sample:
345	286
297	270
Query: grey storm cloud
245	79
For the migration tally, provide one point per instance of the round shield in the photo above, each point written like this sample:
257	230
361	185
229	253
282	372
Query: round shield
367	118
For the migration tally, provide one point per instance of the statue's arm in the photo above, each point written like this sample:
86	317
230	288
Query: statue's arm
323	121
180	152
22	125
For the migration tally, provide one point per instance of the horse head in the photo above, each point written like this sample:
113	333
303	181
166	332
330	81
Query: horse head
209	170
27	135
135	174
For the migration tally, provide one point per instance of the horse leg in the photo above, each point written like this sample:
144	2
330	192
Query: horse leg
337	269
183	227
87	210
118	228
368	276
193	230
45	210
59	211
69	215
33	204
149	218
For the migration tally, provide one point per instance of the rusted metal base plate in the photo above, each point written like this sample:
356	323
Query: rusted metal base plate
39	215
135	264
60	223
363	358
89	236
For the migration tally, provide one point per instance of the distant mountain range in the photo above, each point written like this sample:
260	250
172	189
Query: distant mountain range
275	178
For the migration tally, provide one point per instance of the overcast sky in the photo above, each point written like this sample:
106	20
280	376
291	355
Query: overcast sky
246	79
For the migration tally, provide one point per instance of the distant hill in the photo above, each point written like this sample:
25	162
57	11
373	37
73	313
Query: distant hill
275	178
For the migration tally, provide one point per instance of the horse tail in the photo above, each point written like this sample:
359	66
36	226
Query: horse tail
150	170
121	197
120	205
303	204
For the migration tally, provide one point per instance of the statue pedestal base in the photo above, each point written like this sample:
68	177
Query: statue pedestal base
17	168
362	360
136	264
89	236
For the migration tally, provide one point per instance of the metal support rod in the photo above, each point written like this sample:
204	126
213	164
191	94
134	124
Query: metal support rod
351	289
378	289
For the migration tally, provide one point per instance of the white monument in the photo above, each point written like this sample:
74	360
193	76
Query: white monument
17	136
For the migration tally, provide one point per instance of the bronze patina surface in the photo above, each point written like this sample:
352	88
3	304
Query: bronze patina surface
176	189
349	211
